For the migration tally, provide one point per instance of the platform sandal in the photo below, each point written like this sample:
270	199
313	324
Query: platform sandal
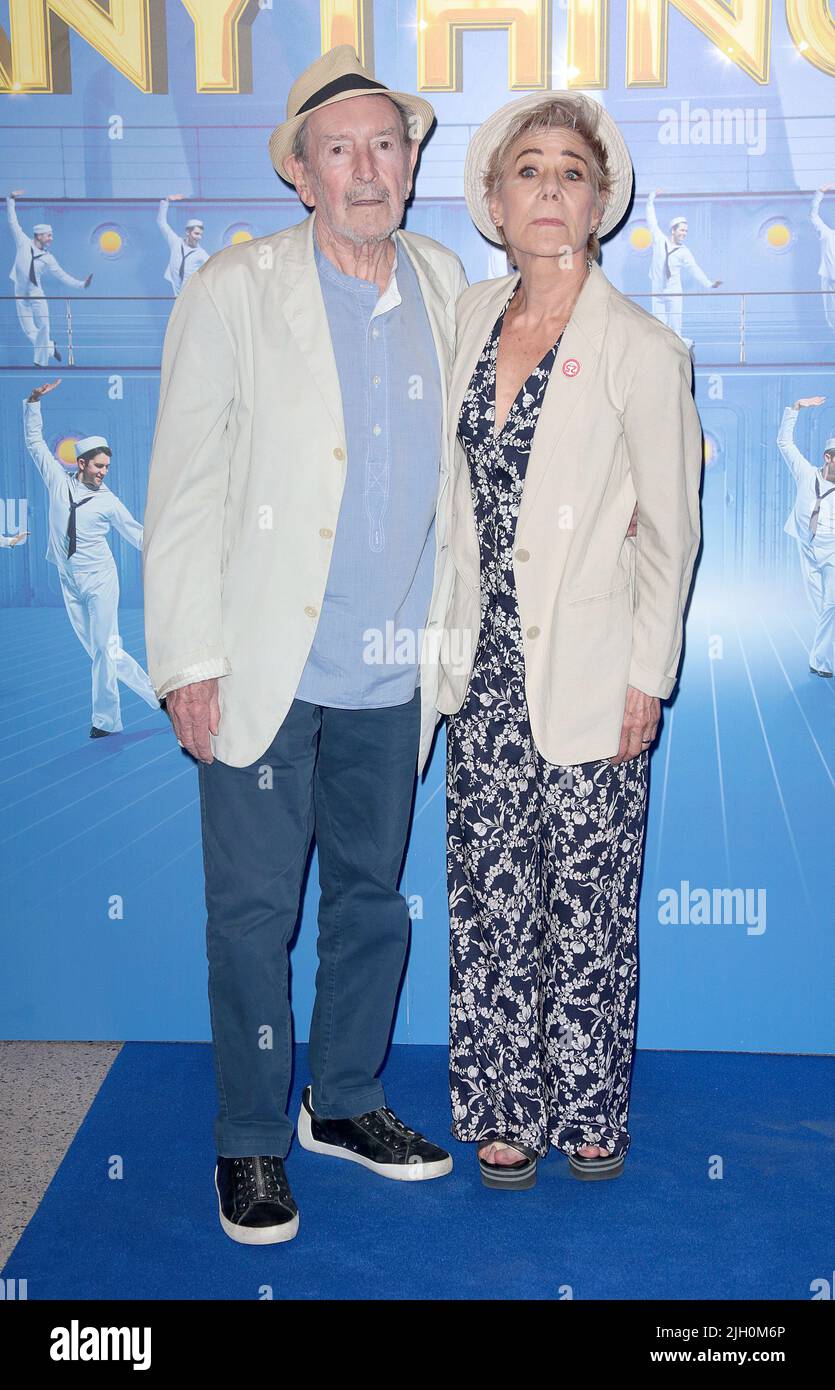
509	1176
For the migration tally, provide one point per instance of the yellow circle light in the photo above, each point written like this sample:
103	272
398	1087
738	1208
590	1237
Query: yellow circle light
66	451
709	451
110	241
778	235
641	238
239	236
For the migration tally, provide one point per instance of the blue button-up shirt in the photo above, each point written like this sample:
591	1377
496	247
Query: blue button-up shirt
366	647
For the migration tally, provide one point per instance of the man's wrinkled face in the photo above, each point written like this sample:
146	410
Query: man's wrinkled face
42	239
357	169
829	466
679	233
194	236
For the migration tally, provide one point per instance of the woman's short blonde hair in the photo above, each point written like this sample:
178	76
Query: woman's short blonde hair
572	113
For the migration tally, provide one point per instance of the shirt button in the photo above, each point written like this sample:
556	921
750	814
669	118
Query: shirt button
522	554
311	612
377	430
339	454
533	632
376	380
326	533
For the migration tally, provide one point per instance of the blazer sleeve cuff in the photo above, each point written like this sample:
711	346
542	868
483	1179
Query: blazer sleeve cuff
198	671
650	681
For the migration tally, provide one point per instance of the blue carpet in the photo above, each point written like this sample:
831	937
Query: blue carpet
665	1229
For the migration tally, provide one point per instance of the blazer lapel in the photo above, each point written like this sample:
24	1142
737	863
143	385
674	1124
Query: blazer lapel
298	297
572	376
439	309
579	352
471	340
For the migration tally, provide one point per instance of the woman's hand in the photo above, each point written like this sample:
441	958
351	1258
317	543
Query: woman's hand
640	724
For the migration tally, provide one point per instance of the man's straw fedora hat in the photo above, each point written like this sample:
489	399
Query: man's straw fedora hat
493	131
337	75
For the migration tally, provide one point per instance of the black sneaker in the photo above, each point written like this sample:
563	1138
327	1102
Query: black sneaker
254	1199
378	1140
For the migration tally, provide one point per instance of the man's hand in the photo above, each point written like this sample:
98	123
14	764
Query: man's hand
715	285
38	391
88	281
640	724
809	400
195	713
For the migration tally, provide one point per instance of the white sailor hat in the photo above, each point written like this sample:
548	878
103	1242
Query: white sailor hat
193	222
41	227
829	446
676	221
91	441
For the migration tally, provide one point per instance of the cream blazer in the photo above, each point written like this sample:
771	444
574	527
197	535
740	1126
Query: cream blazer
599	610
247	471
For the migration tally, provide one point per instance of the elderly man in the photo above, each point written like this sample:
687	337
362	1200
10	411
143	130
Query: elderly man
298	465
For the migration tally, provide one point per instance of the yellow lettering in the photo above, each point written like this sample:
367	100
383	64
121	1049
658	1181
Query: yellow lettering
349	21
441	25
813	30
36	56
587	44
741	29
223	44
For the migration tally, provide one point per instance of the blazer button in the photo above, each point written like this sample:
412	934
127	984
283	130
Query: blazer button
533	632
339	454
523	554
326	533
311	612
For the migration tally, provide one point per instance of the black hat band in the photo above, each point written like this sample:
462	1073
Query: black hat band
340	84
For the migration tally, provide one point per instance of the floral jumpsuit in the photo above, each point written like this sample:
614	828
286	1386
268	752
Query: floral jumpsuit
543	862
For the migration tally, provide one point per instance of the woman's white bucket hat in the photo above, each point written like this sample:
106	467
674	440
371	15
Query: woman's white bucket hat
492	132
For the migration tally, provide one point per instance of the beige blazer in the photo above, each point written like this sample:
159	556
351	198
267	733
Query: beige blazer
247	471
599	610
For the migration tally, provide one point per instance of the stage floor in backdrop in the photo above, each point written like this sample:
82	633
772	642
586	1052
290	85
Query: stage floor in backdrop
727	1193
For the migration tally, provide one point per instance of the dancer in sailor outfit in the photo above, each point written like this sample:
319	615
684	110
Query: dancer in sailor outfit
669	258
33	258
826	269
186	253
811	522
82	511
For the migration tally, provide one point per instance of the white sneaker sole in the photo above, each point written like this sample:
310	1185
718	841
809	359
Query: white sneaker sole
400	1172
256	1235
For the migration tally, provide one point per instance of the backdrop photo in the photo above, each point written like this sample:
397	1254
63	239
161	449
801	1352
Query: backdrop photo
137	143
133	148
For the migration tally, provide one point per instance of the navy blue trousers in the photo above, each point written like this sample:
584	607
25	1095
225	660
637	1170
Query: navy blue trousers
347	777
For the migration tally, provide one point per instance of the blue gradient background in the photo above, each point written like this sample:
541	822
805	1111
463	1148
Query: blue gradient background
742	784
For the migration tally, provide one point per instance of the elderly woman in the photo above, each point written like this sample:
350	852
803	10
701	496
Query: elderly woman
571	405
